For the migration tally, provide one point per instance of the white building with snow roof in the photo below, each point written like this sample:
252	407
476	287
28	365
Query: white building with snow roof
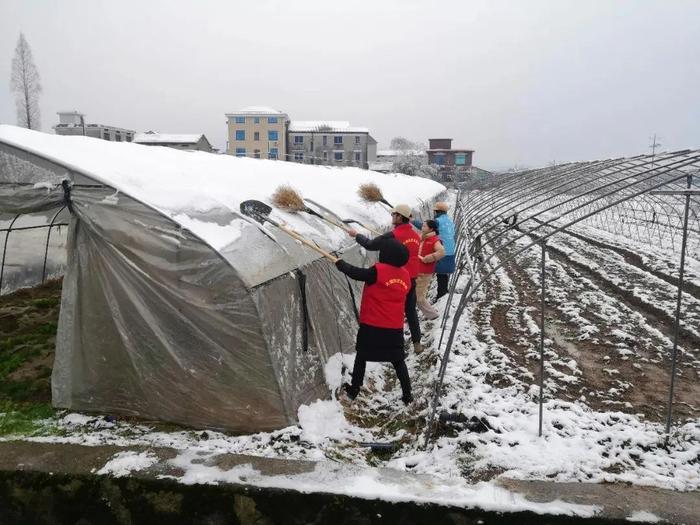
257	132
330	142
74	123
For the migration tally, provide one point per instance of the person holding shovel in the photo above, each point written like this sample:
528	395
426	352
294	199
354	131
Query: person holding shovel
406	234
380	336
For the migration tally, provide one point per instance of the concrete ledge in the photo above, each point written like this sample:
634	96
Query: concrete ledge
55	483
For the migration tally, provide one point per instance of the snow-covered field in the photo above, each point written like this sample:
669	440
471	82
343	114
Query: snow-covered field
607	348
597	425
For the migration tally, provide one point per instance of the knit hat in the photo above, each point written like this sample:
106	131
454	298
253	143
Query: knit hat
441	206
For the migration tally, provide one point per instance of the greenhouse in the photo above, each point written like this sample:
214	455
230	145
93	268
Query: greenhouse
176	306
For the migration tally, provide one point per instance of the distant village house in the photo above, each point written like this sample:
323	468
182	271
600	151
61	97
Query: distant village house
73	123
334	143
189	142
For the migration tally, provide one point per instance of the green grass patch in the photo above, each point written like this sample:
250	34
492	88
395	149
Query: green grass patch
47	302
23	419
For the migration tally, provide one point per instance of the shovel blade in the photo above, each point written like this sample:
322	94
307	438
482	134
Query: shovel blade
256	209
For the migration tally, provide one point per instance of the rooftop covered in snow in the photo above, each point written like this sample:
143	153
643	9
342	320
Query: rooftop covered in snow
151	137
332	126
263	110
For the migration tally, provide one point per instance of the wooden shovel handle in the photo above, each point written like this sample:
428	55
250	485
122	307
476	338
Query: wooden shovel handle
340	225
308	243
375	232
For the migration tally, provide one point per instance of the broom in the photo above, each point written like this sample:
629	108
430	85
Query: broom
288	199
370	192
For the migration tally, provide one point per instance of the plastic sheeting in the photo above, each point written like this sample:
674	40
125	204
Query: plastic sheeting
156	323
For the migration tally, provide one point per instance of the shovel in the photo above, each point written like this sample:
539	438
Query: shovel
261	212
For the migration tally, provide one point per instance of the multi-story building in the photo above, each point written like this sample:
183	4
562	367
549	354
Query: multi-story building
441	153
334	143
172	140
73	123
453	164
257	132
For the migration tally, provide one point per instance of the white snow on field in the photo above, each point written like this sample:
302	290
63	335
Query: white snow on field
124	463
643	516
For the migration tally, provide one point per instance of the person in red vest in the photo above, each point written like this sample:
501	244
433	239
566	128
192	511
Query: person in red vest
429	252
407	235
380	336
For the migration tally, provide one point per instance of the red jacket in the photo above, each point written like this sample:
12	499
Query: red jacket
408	236
427	246
383	302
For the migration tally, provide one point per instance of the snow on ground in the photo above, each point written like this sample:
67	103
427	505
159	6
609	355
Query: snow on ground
124	463
643	516
488	382
578	443
334	478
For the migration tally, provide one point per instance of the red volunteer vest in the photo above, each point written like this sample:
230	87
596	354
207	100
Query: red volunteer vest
427	246
383	302
406	235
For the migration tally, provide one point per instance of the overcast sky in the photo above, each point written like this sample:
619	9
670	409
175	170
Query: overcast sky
521	82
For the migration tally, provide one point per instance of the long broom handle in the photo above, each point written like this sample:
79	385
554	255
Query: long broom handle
329	212
307	242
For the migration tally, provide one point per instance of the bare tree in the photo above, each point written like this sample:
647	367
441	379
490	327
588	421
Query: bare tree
401	144
26	85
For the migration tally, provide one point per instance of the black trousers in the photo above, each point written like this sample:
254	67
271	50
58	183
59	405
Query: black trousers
358	375
442	280
412	314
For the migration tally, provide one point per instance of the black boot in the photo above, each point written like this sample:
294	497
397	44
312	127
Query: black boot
351	391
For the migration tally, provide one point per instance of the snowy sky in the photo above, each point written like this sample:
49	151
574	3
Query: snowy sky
522	82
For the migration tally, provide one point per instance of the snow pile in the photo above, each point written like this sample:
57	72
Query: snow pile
642	516
322	420
124	463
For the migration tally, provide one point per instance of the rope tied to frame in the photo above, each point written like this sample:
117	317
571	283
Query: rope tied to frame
67	186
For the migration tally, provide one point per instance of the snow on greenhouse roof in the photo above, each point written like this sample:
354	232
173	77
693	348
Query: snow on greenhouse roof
194	187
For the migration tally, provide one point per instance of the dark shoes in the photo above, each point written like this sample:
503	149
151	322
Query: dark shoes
407	400
350	391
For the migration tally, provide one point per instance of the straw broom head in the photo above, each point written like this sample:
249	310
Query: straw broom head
288	199
370	192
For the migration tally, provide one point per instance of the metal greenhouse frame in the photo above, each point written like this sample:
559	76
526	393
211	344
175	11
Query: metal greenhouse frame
651	198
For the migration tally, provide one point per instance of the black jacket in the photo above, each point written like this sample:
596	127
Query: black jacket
374	343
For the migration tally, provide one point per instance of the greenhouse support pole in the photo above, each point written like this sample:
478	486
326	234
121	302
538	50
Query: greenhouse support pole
48	239
674	356
544	255
4	248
